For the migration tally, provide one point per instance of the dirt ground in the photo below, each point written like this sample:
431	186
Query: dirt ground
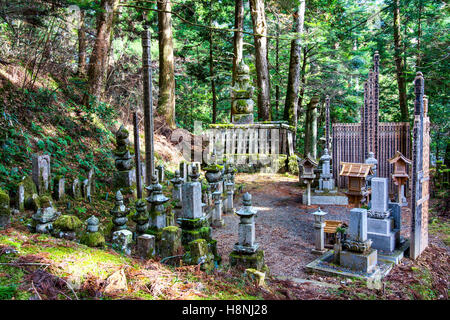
284	226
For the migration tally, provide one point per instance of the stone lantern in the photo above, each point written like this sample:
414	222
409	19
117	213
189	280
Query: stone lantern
400	175
308	164
319	226
177	183
246	226
245	252
119	213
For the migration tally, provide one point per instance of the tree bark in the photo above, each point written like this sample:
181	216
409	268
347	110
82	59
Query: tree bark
303	82
166	101
211	70
419	34
311	128
399	66
82	46
277	68
238	41
262	68
291	104
99	56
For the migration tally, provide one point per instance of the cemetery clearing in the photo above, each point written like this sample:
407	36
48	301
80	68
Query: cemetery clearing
108	192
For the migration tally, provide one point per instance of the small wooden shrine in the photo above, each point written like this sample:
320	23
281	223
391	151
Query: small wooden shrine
357	174
308	164
400	175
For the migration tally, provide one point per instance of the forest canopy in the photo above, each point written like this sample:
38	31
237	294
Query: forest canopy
97	44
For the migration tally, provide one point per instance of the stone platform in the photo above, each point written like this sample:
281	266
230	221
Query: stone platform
326	198
324	265
395	256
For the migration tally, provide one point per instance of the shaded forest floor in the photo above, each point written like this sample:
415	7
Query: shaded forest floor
34	266
49	118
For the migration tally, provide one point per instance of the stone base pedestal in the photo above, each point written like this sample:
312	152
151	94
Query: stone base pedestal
382	233
218	223
242	118
315	251
364	262
383	242
194	229
124	179
246	261
5	220
200	252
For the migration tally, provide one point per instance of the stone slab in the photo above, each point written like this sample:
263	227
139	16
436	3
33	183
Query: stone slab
383	242
357	229
396	256
192	200
382	226
326	200
380	194
321	265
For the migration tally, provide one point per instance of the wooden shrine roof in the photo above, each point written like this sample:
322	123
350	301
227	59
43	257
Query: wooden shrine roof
398	155
308	160
359	170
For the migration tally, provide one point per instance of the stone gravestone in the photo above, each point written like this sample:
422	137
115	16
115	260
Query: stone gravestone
245	252
217	220
5	211
41	172
242	91
177	183
122	241
141	217
184	170
160	171
59	188
146	246
91	179
374	162
124	177
319	236
76	189
191	196
358	254
326	181
119	213
93	237
380	223
42	220
157	200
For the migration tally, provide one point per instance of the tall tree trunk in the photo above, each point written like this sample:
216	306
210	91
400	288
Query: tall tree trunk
311	127
277	68
262	66
82	46
302	82
399	66
419	34
99	56
290	107
211	69
166	100
238	41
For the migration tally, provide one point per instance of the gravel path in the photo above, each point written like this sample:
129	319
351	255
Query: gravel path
284	226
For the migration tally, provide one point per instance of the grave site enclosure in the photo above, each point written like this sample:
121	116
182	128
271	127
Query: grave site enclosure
224	150
352	142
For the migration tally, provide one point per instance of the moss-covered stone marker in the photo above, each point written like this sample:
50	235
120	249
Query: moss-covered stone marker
5	211
245	253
